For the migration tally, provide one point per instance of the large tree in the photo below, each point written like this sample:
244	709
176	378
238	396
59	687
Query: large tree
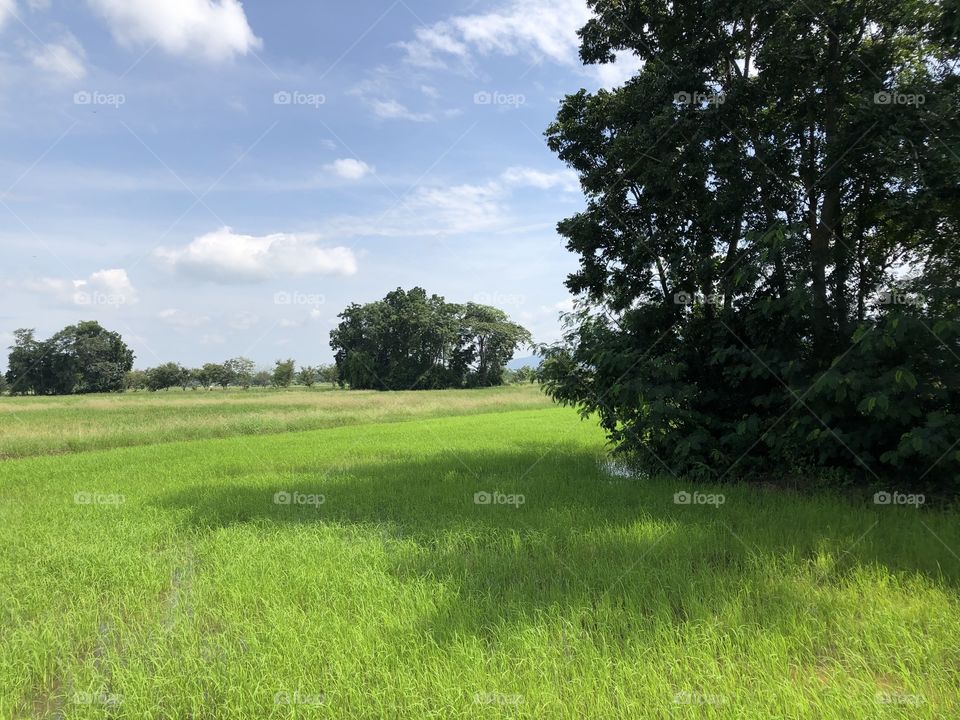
82	358
768	256
411	340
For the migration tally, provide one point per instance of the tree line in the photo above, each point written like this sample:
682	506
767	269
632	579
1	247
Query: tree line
237	372
406	341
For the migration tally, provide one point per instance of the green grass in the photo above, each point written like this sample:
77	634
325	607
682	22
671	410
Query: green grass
44	426
399	596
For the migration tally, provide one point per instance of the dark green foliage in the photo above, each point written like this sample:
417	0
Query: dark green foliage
135	380
769	255
283	373
307	376
410	340
166	376
328	374
239	371
261	378
82	358
519	376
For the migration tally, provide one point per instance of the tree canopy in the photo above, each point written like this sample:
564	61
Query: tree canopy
768	257
81	358
411	340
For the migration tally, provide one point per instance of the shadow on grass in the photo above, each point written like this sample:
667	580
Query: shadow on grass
581	542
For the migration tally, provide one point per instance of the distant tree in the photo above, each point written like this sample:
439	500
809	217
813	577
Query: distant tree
488	340
328	374
165	376
3	384
135	380
410	340
82	358
520	375
25	369
242	371
205	376
307	376
283	373
262	378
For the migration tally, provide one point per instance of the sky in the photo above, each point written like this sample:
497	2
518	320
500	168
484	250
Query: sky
214	179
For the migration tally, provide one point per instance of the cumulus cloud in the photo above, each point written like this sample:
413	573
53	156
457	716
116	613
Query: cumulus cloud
105	287
64	60
393	110
442	210
226	256
349	169
530	177
536	28
213	29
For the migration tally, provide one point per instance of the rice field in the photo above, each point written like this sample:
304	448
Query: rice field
333	554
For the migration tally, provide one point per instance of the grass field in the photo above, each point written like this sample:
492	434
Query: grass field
350	571
40	426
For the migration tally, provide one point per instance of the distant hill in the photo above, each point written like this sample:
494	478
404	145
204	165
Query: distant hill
532	361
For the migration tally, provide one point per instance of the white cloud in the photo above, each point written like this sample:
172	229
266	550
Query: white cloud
537	28
8	8
64	60
182	320
226	256
529	177
104	287
393	110
444	210
617	73
213	29
349	169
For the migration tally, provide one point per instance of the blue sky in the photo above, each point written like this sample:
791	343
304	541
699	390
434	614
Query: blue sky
214	179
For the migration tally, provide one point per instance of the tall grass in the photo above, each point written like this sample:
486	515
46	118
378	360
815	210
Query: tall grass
37	426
